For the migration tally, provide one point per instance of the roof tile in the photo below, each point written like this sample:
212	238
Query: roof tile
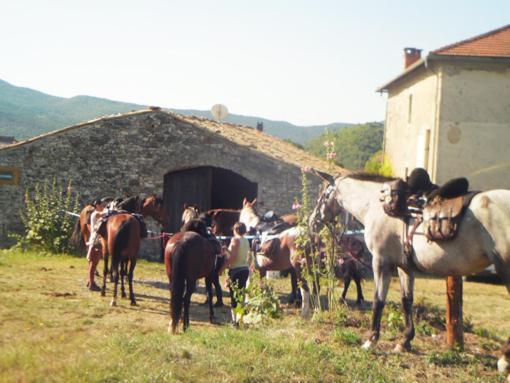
495	43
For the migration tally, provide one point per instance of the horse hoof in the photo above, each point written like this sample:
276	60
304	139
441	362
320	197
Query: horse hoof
103	293
503	365
367	345
133	303
113	303
305	314
400	348
124	295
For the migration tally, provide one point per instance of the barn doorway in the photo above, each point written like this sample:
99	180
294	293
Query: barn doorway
207	186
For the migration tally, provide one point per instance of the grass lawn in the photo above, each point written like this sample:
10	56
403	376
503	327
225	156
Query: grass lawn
54	329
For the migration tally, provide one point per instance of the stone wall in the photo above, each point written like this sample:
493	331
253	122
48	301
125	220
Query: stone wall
132	153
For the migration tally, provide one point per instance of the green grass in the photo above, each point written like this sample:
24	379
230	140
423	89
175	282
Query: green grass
54	329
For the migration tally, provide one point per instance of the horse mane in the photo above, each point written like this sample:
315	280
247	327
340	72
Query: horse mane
197	226
129	204
364	176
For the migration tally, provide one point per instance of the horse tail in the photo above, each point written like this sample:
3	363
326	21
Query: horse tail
120	242
77	236
178	281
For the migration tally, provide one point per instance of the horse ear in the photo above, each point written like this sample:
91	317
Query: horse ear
325	176
245	201
254	201
185	205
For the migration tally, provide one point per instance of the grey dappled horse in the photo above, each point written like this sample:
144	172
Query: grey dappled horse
483	239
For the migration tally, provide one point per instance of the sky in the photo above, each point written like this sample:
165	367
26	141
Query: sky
306	62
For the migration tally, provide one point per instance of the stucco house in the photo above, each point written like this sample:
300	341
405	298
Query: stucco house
449	112
184	159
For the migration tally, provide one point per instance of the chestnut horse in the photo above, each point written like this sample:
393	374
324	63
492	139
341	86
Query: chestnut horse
189	256
121	237
148	207
221	221
151	206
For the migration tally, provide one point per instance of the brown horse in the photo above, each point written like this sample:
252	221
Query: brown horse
221	221
279	254
120	237
350	266
148	207
151	206
188	257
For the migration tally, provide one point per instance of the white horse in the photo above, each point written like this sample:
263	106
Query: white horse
483	239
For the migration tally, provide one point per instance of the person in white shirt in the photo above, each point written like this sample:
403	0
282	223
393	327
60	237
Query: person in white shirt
93	253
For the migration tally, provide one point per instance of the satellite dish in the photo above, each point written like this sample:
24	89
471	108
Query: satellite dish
219	112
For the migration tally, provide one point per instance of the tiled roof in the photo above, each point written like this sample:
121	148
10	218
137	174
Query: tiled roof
263	142
495	43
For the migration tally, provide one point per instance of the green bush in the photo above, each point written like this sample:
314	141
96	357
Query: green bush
256	302
377	164
47	227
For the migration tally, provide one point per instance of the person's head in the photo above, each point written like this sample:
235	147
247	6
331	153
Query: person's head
239	228
98	204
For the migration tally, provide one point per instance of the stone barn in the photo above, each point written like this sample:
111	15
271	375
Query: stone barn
184	159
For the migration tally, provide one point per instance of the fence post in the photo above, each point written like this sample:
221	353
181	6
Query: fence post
454	322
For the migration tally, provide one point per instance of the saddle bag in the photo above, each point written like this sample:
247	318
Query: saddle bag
393	197
441	218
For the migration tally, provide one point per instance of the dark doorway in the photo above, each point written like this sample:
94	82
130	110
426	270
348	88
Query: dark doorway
207	186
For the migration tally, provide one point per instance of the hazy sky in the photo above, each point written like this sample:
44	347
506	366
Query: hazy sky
307	62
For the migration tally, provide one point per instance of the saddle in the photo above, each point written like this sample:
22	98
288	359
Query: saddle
143	226
440	209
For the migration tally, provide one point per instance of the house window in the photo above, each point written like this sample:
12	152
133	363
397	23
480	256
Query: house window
9	176
410	109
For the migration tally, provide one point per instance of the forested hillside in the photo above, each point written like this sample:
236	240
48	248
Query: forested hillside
26	113
353	145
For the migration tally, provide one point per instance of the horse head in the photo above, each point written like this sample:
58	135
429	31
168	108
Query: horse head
248	214
191	211
326	208
153	206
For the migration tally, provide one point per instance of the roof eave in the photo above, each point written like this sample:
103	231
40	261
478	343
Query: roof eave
442	57
412	68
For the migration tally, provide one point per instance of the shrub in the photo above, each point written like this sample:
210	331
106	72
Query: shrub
256	303
377	164
47	227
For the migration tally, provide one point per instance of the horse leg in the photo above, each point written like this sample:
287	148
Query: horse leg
105	274
208	288
115	272
382	277
406	291
293	297
347	282
190	286
132	265
305	293
357	280
123	273
217	289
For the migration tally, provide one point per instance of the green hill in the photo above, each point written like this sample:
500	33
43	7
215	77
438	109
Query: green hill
26	113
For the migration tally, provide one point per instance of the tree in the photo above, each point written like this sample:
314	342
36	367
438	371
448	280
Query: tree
353	145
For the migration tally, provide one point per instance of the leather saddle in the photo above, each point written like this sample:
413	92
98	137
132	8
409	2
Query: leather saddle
441	214
445	209
139	218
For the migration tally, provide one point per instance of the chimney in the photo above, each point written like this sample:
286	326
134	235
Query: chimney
260	126
411	55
